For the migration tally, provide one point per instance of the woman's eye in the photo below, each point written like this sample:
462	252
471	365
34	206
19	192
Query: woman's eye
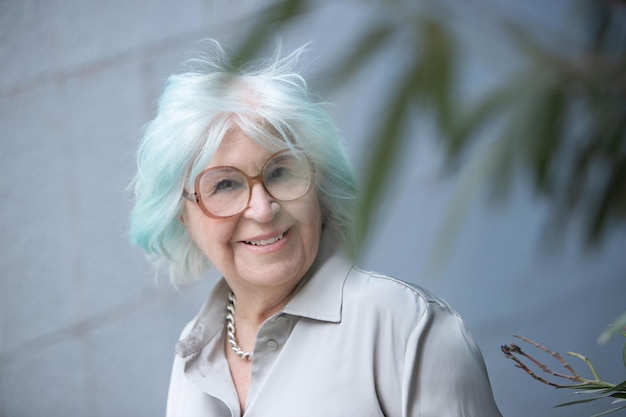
278	172
226	185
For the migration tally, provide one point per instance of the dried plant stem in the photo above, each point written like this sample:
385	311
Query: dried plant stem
596	388
511	350
574	375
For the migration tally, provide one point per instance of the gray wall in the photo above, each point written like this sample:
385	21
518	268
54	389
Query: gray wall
87	330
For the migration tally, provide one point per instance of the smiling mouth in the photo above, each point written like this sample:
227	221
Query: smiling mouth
265	242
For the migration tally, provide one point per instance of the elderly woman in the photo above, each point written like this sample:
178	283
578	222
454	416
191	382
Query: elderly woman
243	171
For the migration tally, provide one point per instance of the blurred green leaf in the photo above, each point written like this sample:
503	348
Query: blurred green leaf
471	182
266	23
560	122
364	49
385	142
550	115
437	70
425	83
609	411
617	327
586	400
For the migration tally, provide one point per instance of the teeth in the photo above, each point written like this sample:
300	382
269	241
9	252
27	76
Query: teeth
266	241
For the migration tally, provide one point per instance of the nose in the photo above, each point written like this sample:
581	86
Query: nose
262	207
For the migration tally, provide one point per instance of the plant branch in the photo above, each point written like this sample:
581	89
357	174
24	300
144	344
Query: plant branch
599	388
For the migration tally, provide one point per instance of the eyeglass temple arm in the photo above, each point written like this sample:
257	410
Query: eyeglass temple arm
193	197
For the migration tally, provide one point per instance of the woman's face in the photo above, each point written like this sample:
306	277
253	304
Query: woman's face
269	244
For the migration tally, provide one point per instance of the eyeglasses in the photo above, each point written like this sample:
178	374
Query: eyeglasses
225	191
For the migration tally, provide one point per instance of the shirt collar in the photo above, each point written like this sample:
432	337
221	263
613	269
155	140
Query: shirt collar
319	296
208	323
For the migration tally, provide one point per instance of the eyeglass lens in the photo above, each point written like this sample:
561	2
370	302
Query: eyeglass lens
226	191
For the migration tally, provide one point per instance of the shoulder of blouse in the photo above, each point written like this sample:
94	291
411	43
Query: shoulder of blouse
387	288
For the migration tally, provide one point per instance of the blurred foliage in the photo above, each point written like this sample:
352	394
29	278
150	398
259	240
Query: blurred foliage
616	328
560	121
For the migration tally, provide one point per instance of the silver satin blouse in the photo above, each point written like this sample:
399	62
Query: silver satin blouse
349	343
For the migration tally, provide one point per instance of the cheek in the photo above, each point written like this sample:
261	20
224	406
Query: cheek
316	209
311	215
207	233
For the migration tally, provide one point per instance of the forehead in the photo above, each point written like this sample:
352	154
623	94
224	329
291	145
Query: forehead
238	150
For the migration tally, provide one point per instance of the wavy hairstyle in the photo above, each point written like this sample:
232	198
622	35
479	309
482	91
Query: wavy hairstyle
270	103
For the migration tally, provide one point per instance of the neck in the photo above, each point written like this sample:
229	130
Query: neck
254	307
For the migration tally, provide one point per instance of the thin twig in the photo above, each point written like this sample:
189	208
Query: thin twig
600	389
555	355
508	351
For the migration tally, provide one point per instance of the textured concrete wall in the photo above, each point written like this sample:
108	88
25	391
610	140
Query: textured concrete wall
84	328
85	331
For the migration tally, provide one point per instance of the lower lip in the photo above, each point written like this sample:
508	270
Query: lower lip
268	248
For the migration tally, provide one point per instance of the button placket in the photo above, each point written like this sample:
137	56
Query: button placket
274	333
